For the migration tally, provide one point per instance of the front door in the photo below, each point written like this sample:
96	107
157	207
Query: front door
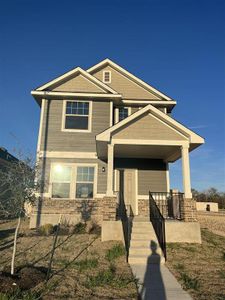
130	189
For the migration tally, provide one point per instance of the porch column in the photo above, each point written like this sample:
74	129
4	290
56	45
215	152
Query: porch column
109	191
186	172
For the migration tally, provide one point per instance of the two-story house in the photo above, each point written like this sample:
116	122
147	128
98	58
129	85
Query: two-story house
106	136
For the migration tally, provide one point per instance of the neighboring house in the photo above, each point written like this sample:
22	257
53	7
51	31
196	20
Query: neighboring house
6	157
106	137
207	206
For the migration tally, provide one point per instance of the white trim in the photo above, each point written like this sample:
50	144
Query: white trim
149	142
103	79
47	195
63	154
167	178
40	125
145	197
193	137
111	114
71	94
73	179
158	102
129	75
64	117
110	174
186	172
116	115
136	182
78	70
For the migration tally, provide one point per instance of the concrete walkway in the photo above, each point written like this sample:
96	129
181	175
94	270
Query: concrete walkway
156	282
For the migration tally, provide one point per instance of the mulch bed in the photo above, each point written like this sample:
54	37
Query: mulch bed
24	279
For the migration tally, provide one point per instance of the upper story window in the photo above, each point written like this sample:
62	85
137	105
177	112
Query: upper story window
77	115
107	76
124	112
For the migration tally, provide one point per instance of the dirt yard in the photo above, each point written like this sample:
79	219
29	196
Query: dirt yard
83	266
201	268
214	222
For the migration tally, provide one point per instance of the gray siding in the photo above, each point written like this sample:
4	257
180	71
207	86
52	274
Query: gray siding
53	139
147	127
101	176
78	84
124	86
151	173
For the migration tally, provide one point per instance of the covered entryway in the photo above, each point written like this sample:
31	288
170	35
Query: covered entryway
148	134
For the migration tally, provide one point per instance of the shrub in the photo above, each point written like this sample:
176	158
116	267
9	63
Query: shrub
46	229
223	256
93	228
116	251
80	228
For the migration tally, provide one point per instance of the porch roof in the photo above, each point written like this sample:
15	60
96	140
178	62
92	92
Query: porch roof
148	133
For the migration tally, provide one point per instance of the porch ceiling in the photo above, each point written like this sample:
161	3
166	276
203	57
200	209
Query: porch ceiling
165	152
145	151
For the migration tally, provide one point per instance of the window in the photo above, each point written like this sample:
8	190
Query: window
107	76
73	181
123	113
61	178
85	182
77	114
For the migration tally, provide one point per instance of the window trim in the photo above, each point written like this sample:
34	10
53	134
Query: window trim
64	117
72	195
110	76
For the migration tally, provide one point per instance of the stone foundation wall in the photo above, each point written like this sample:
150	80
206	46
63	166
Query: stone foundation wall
143	207
109	208
76	210
188	210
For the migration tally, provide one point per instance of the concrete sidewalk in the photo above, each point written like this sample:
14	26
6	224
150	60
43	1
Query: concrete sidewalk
156	282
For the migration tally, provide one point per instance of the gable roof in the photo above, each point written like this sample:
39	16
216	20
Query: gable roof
73	73
192	136
127	74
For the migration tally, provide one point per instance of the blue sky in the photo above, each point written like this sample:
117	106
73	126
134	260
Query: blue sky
177	46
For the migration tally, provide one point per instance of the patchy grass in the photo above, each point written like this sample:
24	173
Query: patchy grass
83	266
200	267
115	252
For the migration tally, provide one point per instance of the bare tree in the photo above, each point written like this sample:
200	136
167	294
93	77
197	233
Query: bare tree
17	187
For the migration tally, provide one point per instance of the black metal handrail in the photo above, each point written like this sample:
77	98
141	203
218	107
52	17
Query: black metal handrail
158	223
169	204
125	214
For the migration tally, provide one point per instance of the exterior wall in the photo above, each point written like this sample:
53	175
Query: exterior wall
73	211
78	84
101	176
182	232
202	206
147	127
151	173
124	86
53	139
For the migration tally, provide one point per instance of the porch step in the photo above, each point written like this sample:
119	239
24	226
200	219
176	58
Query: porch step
143	259
143	236
143	251
141	219
144	245
143	229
